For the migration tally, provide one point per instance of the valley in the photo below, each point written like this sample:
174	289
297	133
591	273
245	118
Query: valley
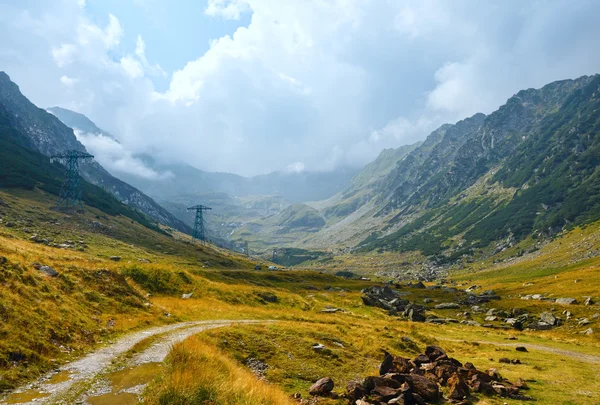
462	269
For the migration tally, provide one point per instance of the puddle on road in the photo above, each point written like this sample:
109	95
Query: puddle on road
59	377
124	380
23	397
31	395
134	376
123	398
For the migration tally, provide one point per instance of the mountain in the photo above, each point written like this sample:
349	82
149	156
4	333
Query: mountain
529	169
35	128
188	180
79	121
236	200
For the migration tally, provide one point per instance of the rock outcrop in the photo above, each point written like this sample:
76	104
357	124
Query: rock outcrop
420	380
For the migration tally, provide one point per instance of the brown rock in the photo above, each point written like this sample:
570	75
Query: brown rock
521	384
458	387
444	371
355	390
322	387
483	388
435	353
494	374
369	383
504	360
394	364
423	386
420	359
384	394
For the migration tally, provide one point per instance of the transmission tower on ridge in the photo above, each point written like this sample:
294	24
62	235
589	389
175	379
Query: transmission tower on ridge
198	233
70	191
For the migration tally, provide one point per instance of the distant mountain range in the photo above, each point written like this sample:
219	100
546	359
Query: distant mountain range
41	131
236	200
526	171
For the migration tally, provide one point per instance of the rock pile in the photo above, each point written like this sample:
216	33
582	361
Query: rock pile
389	299
416	382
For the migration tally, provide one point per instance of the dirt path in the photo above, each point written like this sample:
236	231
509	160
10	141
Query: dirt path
84	377
586	358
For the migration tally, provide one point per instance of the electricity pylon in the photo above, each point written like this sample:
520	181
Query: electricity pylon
198	233
70	191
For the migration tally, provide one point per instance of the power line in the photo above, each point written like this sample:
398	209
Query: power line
70	191
198	233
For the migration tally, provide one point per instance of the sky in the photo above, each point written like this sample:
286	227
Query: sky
254	86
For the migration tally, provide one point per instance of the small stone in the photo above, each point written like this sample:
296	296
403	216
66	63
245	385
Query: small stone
318	347
521	349
584	321
186	296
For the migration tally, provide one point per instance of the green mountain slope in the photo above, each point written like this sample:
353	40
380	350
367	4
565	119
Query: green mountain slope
36	128
529	169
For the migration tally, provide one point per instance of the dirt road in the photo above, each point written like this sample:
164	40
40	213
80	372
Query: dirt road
83	380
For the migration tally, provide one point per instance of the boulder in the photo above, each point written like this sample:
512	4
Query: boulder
384	394
322	387
414	313
548	318
521	349
423	386
395	364
566	301
355	390
458	387
447	305
49	271
435	353
588	301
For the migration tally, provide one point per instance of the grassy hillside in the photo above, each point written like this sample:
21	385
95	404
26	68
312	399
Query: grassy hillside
49	320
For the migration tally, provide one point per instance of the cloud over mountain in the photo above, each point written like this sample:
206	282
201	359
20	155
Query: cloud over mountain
327	84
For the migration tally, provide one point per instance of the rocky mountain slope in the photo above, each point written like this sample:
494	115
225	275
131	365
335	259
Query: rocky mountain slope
528	169
35	128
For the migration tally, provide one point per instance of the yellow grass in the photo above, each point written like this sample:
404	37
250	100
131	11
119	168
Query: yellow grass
200	374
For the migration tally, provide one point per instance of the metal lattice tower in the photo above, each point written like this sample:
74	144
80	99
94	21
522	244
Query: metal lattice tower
198	233
70	191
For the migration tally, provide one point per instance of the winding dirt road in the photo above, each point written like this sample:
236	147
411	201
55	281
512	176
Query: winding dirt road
88	376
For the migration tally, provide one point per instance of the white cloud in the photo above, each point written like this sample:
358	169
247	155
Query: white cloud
68	81
116	158
227	9
325	83
132	67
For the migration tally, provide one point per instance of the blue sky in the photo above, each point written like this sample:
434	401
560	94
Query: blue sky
155	21
253	86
